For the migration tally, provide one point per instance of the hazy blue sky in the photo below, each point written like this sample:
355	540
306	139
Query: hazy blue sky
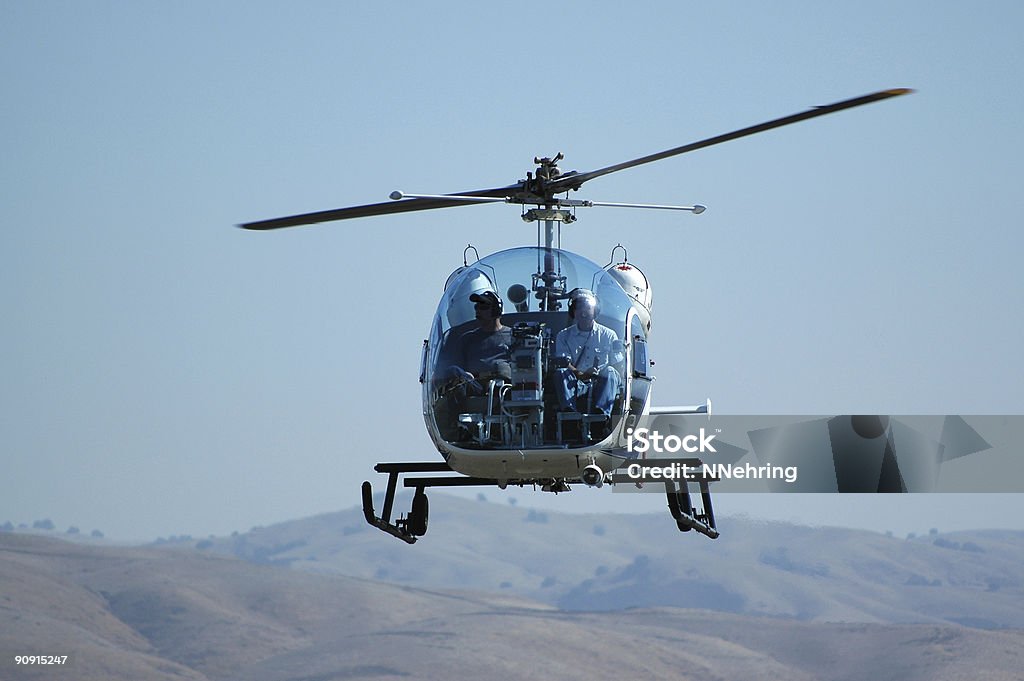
166	373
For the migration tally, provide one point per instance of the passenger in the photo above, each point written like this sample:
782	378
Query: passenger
483	353
587	355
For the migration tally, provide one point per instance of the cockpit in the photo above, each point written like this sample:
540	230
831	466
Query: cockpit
497	375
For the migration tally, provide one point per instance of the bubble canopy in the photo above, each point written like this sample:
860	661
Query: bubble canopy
518	276
534	285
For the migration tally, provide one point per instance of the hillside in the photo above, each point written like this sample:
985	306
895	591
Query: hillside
152	614
613	562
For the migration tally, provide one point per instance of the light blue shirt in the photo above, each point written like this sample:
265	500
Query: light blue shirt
592	349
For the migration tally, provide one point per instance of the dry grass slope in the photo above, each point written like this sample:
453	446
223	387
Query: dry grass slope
154	614
610	562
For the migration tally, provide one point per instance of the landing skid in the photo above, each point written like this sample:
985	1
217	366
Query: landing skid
414	525
681	508
410	527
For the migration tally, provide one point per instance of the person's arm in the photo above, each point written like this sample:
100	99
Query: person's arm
562	349
458	369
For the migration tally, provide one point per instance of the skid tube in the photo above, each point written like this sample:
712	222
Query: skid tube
414	525
681	508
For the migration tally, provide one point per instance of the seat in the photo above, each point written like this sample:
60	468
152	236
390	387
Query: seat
583	418
482	412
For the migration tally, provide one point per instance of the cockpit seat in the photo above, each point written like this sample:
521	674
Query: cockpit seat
478	414
585	422
586	415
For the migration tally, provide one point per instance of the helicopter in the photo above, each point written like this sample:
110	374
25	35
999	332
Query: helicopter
520	425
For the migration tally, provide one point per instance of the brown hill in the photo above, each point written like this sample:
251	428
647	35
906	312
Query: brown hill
611	562
146	613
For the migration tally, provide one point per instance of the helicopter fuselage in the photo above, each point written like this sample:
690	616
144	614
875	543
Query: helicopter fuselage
512	425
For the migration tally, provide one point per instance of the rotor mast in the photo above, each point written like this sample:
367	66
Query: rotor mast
551	288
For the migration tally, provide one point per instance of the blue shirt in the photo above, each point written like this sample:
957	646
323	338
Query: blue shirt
592	349
485	354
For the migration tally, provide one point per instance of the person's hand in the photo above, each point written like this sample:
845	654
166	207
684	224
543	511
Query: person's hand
582	375
459	375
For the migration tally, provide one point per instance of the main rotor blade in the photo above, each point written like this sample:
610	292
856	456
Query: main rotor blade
574	181
386	208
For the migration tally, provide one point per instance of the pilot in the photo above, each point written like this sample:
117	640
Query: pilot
484	352
587	354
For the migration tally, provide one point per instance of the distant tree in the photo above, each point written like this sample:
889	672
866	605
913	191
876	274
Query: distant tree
96	534
780	558
73	530
536	517
45	524
911	535
640	568
7	527
548	582
933	532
